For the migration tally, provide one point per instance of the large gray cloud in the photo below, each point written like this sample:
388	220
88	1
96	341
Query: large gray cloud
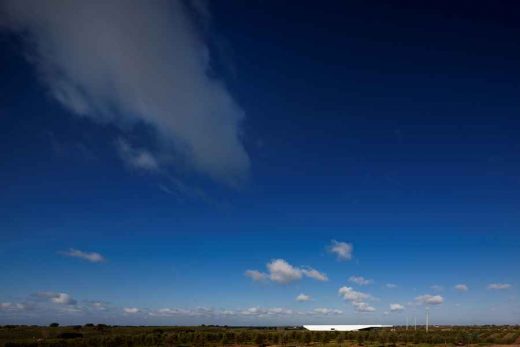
130	61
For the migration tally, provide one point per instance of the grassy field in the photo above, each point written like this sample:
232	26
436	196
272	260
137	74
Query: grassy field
211	336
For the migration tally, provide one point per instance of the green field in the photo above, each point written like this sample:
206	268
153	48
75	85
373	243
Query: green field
213	336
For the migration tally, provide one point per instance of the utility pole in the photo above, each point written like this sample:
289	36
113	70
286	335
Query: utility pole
427	317
415	323
406	322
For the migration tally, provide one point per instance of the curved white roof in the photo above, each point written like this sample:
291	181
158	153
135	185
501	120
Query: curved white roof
343	327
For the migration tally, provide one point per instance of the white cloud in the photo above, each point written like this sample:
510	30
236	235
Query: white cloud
349	294
360	280
396	307
92	257
391	285
363	307
428	299
131	62
342	250
248	312
437	288
281	271
256	275
199	311
260	312
499	286
10	306
57	298
302	297
131	310
315	274
327	311
461	287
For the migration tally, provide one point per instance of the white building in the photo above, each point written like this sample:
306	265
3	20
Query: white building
343	327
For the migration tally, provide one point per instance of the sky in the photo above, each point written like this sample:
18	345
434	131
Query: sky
259	162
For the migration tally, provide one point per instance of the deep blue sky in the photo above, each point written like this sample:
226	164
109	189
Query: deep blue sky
391	126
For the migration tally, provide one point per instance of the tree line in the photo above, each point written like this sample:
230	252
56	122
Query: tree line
216	337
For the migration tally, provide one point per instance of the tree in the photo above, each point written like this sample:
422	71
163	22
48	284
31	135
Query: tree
54	325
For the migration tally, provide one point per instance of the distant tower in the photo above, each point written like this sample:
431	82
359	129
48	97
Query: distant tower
415	323
406	322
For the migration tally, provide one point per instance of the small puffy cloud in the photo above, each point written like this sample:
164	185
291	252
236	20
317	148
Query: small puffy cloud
499	286
363	307
360	280
396	307
92	257
256	275
391	285
461	287
280	271
342	250
428	299
57	298
437	288
349	294
131	310
303	297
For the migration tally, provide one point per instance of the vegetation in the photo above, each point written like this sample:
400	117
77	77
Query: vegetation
214	336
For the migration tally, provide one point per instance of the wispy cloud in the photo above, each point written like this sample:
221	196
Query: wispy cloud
499	286
133	63
131	310
256	275
343	250
13	307
136	158
391	285
363	307
281	271
92	257
247	312
360	280
315	274
327	311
